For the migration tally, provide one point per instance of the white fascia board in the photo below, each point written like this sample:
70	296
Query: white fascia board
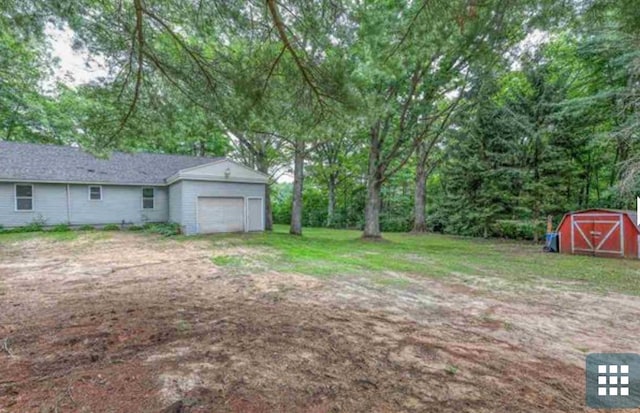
179	177
194	168
183	174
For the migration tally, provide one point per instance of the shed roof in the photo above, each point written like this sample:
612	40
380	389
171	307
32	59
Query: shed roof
633	216
52	163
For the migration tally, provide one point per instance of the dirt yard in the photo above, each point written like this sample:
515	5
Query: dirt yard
128	322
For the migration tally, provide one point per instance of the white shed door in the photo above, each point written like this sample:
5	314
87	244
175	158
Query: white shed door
254	214
220	215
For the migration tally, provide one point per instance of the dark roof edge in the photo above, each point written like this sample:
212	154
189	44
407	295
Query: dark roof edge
75	182
83	149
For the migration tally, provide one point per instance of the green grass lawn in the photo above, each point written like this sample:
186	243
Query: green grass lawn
392	262
21	236
329	253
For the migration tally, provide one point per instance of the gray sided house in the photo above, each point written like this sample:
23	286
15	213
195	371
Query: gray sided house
65	185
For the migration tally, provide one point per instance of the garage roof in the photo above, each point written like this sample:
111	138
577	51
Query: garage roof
51	163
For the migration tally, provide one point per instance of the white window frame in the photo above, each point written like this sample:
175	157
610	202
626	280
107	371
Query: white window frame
153	198
89	193
16	197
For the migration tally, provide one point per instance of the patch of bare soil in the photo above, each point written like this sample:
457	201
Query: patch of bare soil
136	324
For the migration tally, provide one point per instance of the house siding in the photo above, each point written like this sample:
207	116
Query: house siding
119	203
191	190
49	204
175	206
160	212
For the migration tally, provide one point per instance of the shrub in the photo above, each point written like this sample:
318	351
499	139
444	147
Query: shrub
32	227
135	228
111	227
18	230
36	225
61	228
86	228
513	229
505	229
436	222
389	223
166	229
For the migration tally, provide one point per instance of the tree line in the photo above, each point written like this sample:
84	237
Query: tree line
465	117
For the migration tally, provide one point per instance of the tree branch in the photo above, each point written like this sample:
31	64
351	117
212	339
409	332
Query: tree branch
272	69
136	91
406	33
196	59
163	70
282	32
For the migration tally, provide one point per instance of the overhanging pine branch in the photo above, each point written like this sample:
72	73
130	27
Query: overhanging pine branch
284	38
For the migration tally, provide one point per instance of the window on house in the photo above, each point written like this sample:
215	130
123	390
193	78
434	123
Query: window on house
148	198
24	197
95	193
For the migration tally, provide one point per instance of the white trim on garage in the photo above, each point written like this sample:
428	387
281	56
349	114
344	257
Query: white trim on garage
256	177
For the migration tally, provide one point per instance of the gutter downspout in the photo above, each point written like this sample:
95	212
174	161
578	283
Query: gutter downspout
68	205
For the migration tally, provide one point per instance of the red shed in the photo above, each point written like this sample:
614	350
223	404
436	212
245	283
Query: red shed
601	232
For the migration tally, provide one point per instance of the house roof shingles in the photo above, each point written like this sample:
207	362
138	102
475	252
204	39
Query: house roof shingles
50	163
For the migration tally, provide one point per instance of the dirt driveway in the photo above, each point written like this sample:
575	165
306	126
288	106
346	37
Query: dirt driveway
127	322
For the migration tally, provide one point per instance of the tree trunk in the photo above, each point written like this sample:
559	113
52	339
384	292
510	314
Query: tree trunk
268	210
420	199
536	219
200	148
614	167
331	207
9	130
298	176
372	210
374	184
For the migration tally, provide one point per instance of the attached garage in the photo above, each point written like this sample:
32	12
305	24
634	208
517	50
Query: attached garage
600	232
219	197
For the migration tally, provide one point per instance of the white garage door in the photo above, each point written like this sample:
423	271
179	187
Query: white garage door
220	215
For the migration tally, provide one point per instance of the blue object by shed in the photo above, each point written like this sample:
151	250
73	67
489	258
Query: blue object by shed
551	244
